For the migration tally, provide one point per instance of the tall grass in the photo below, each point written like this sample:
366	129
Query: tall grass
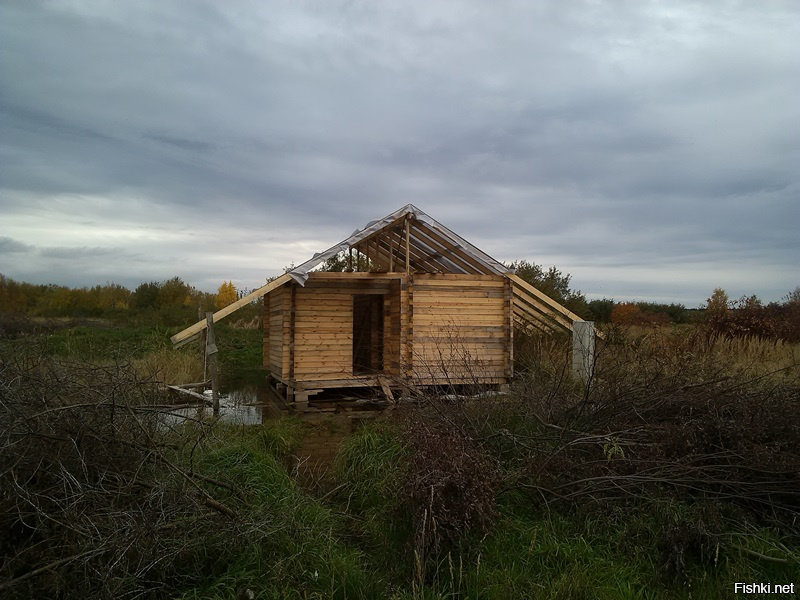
672	474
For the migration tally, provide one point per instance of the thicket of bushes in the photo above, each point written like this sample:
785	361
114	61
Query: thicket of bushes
676	469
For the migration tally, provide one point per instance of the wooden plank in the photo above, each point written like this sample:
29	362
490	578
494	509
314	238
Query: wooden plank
277	318
311	357
373	256
330	338
471	340
425	277
460	312
195	395
508	343
292	319
446	249
434	285
334	382
536	310
397	223
544	298
391	254
408	246
426	262
422	320
265	348
447	332
523	319
324	346
465	292
387	391
420	262
335	275
318	320
224	312
420	381
452	248
458	309
446	301
410	322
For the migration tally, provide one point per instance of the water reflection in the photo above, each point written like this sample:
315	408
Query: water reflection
325	424
243	406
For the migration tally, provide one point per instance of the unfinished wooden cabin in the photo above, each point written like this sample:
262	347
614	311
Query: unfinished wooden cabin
414	305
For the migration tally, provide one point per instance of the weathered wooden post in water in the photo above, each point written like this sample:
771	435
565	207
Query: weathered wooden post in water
583	335
211	353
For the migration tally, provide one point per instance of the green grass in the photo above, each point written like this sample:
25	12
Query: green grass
92	343
290	544
358	541
239	350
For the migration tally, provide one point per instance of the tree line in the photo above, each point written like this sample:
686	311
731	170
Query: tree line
169	302
174	302
747	316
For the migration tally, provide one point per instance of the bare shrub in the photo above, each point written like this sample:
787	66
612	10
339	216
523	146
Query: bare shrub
665	415
449	485
90	502
747	317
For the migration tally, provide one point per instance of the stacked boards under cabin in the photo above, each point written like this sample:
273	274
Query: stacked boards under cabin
412	304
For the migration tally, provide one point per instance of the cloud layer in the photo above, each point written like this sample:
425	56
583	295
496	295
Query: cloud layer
649	149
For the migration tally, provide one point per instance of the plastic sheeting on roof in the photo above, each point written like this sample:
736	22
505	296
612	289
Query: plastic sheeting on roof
300	272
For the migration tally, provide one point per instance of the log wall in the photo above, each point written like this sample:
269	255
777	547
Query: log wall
460	329
437	328
276	332
323	328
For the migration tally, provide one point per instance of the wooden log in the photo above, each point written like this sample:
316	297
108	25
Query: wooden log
211	352
195	395
408	246
224	312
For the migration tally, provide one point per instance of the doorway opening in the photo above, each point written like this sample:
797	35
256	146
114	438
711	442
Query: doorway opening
367	334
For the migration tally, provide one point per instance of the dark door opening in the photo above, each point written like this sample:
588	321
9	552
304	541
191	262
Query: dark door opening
367	334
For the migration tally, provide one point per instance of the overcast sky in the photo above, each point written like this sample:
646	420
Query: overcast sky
650	149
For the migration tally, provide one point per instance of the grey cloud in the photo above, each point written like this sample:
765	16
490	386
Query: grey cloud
71	253
630	134
12	246
184	144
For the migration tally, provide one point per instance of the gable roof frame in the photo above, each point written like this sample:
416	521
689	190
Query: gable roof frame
431	246
459	247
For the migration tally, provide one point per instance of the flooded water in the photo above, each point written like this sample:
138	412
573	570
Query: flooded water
245	406
325	424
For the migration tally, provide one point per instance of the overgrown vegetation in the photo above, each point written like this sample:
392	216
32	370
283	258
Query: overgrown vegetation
674	472
99	498
167	303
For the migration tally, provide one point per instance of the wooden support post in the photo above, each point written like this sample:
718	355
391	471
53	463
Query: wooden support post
203	342
265	336
211	352
410	333
292	309
508	342
391	255
408	246
350	260
583	349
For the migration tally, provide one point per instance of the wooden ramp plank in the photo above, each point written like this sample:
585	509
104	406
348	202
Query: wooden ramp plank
224	312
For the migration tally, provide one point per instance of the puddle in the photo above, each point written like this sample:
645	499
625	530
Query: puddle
326	424
245	406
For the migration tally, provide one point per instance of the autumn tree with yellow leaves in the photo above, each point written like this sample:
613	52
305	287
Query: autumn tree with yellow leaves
226	294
